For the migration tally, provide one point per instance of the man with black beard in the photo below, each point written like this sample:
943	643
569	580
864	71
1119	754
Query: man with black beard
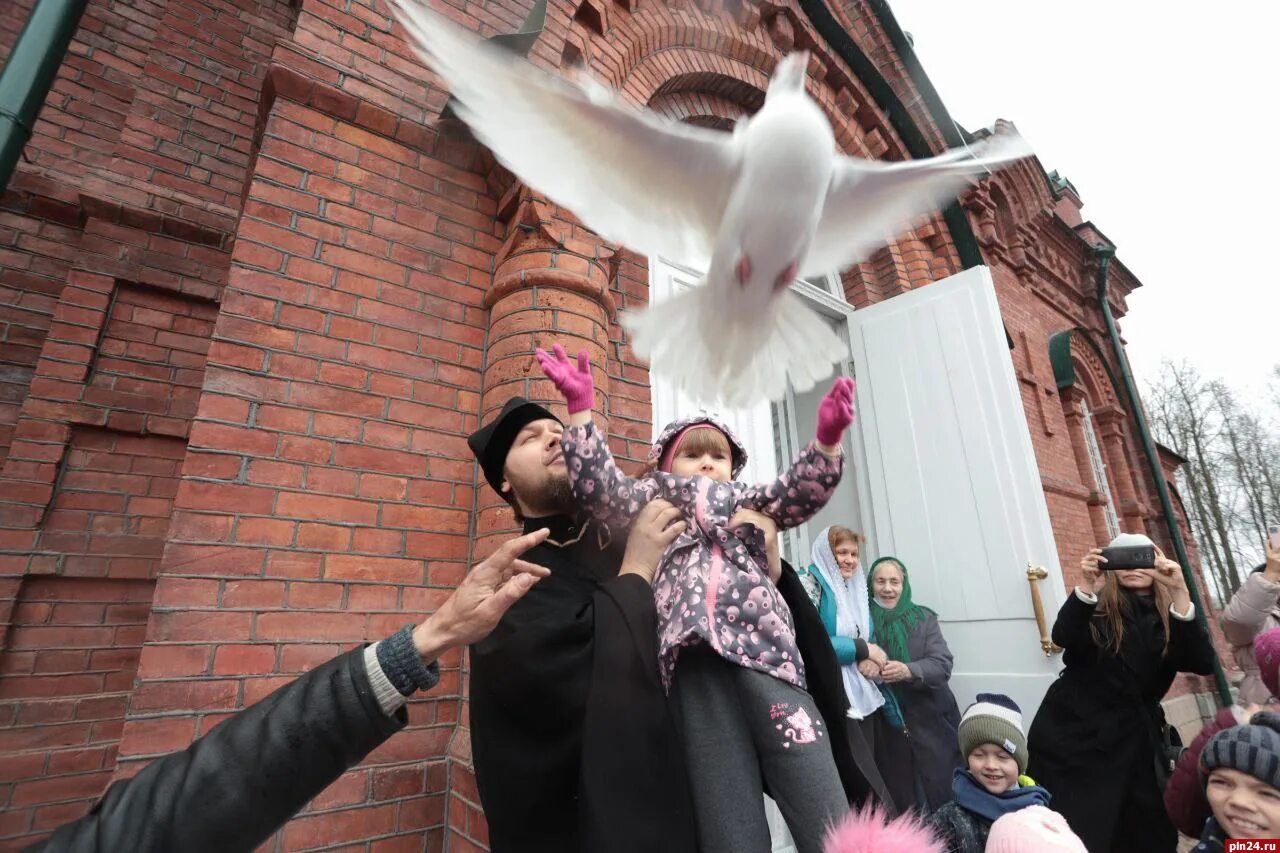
574	746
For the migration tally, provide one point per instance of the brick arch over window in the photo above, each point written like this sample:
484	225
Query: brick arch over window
713	84
1006	215
1098	427
708	99
1090	369
702	70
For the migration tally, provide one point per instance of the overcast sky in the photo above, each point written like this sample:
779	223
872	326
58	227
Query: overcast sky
1164	118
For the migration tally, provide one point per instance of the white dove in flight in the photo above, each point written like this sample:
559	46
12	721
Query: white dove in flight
757	209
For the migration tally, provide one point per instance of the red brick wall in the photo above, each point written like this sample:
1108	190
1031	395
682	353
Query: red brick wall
65	680
110	509
326	495
90	490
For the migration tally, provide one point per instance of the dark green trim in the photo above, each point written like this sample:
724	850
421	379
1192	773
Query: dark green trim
522	39
900	120
915	72
1105	254
29	73
518	42
1064	371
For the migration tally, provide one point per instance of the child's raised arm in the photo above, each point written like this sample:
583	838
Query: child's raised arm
806	486
598	483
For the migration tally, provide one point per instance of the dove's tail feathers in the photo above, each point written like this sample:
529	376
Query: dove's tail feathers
714	358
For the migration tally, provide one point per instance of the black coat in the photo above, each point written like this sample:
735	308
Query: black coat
958	829
234	787
930	712
575	748
1093	742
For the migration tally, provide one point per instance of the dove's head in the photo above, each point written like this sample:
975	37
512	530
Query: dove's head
788	76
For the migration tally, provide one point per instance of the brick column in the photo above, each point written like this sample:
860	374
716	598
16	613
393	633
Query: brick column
550	285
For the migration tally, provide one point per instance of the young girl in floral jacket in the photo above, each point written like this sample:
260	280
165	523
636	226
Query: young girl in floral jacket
726	638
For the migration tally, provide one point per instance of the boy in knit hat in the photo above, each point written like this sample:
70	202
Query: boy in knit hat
1240	770
994	746
1184	796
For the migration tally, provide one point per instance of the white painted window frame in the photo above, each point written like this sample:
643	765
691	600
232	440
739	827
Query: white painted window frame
1098	464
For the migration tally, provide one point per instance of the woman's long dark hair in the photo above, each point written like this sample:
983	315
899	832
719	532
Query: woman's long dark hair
1114	608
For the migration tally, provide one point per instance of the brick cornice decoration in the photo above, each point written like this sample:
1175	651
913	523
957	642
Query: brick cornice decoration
323	96
540	250
1066	488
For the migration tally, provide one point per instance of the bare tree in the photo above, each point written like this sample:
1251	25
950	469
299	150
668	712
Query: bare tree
1252	453
1187	418
1233	471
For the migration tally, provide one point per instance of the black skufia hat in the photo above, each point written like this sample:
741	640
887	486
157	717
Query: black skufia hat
492	441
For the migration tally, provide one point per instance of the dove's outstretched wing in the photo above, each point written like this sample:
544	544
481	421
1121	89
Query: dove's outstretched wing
870	202
656	186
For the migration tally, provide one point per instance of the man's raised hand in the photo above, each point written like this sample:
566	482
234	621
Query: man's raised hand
485	594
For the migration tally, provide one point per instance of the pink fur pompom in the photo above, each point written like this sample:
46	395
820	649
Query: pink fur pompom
867	831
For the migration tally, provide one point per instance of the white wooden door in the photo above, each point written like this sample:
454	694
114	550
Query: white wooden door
941	473
947	479
753	427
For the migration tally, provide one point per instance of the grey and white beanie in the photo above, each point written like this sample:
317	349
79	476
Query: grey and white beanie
997	719
1253	749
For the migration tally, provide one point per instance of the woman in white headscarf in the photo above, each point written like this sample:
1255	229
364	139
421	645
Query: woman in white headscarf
837	584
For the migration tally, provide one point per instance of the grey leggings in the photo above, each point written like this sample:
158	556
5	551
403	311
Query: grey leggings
744	730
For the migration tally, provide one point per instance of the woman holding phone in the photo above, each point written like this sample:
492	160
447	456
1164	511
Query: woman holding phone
1098	740
1252	610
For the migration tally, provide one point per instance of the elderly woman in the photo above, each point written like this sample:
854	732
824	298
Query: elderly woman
919	705
837	585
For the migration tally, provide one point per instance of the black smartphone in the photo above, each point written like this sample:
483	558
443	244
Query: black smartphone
1128	557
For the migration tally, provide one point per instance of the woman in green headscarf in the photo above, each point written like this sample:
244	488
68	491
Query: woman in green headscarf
923	746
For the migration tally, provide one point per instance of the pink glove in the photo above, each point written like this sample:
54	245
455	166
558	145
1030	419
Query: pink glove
573	382
835	412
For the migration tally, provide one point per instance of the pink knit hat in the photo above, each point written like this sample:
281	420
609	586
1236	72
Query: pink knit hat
1034	829
870	830
1266	651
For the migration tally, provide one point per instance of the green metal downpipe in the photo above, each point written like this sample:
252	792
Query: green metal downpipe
1105	254
29	72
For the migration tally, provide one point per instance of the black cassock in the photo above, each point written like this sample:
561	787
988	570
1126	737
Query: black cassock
574	746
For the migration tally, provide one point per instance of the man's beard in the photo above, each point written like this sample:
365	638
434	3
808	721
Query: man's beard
552	496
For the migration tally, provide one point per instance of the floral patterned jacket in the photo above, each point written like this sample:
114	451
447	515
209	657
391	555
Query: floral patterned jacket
712	585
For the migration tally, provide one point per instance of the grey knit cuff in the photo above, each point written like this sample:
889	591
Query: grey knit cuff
399	659
389	699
